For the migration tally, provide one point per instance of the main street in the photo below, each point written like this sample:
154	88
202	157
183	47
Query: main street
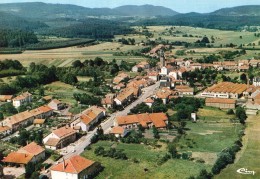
79	146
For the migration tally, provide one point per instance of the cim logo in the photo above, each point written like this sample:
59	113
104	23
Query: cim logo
245	171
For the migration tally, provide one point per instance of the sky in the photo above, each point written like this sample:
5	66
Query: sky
182	6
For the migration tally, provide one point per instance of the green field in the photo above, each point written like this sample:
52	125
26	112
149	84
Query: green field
62	91
248	157
147	157
204	139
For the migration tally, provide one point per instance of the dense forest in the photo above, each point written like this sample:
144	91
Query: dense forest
16	38
91	28
204	21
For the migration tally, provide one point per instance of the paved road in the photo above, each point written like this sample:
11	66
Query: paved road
79	146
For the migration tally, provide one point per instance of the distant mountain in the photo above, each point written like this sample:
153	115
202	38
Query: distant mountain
9	21
38	10
145	10
252	10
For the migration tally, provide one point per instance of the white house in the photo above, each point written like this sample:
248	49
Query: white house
76	167
164	71
119	131
60	138
22	99
55	105
89	118
256	81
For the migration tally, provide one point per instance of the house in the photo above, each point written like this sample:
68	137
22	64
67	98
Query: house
184	90
254	63
108	101
221	103
22	99
256	81
149	102
141	66
225	90
60	138
42	112
229	65
30	153
159	120
127	95
243	68
5	131
119	131
153	75
6	98
89	118
119	86
56	105
75	167
163	94
38	122
47	98
120	78
19	120
195	66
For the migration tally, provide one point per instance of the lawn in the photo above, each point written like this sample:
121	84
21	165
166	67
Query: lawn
212	133
62	91
147	156
248	157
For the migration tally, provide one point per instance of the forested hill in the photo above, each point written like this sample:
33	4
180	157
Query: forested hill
10	21
38	10
145	10
205	21
253	10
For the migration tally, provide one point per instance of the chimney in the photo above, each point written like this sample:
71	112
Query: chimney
64	166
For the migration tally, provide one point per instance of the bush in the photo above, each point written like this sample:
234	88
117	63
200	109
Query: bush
230	112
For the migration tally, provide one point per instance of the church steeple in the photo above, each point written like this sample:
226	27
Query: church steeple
162	58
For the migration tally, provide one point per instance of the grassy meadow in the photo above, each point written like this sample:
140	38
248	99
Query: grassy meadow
203	139
248	156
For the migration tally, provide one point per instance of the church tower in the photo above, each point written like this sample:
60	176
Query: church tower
162	58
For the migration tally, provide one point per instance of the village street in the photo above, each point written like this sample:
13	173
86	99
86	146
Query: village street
78	147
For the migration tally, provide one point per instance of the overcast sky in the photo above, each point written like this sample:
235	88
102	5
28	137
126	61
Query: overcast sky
177	5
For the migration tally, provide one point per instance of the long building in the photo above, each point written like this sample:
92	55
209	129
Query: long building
225	90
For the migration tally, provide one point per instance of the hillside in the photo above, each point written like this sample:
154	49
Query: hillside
253	10
38	10
9	21
145	10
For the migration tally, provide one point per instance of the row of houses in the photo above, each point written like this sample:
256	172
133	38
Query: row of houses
24	119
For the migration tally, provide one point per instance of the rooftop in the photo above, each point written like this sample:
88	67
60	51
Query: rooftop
75	164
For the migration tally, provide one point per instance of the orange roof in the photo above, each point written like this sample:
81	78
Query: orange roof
5	97
75	164
52	142
41	110
227	87
148	100
18	158
154	73
64	132
47	98
117	130
17	118
4	128
56	101
158	119
91	114
39	121
22	96
32	148
220	100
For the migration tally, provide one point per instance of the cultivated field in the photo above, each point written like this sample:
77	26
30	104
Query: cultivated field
65	56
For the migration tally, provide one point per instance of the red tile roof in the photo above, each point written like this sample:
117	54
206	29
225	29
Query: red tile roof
18	158
32	148
75	164
158	119
117	130
64	132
